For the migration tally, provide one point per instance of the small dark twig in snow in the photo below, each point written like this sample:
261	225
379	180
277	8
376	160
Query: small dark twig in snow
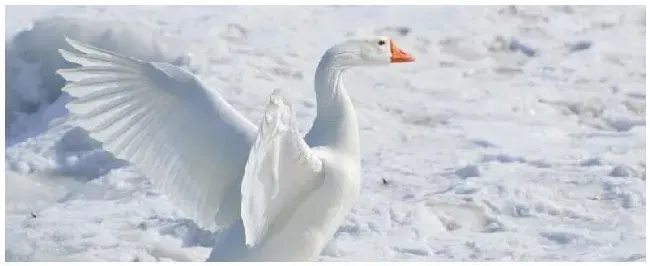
516	45
580	45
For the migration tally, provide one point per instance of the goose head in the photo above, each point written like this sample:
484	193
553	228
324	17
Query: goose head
370	51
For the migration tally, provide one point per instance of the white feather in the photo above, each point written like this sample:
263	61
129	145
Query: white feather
161	118
281	170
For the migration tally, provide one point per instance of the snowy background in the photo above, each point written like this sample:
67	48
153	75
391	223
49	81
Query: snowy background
519	133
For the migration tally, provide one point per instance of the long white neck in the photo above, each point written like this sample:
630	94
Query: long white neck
336	123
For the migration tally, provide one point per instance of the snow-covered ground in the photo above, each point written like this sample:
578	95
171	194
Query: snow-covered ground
519	133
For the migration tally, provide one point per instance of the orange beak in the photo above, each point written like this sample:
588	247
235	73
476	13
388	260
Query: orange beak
399	56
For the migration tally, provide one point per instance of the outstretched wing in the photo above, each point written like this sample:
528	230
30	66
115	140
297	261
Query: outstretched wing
162	119
281	170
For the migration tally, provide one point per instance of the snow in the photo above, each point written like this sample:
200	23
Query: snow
519	133
36	51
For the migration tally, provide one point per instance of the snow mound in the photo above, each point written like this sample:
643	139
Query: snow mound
32	56
70	167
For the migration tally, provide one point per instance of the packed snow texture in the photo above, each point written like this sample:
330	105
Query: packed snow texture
518	134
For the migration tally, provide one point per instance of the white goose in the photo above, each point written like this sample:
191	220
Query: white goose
275	195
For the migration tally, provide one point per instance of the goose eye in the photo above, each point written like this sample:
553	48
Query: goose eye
381	42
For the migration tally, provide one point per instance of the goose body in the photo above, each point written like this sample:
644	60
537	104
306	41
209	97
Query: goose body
273	194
